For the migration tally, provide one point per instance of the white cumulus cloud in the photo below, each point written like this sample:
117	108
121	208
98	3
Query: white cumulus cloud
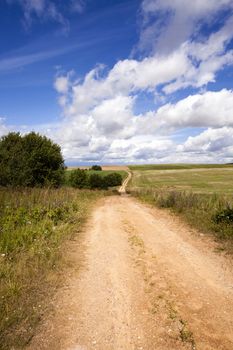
214	143
100	118
211	108
169	23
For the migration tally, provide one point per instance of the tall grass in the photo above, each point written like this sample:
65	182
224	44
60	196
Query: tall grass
33	226
201	210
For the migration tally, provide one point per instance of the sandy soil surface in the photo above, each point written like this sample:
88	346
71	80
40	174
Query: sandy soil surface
147	281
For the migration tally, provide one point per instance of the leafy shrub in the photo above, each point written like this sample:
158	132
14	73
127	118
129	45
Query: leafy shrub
224	216
114	179
83	179
78	178
96	181
96	168
30	160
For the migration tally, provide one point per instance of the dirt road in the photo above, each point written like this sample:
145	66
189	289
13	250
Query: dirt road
122	189
147	282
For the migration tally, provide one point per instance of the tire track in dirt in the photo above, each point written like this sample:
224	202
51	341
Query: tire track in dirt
146	283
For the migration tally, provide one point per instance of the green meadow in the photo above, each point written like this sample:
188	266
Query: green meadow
218	179
178	166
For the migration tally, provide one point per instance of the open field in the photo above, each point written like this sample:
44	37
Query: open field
34	226
199	180
178	166
203	196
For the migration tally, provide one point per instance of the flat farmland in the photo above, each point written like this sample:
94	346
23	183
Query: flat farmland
198	180
201	194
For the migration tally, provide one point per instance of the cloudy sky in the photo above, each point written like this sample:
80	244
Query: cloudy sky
120	81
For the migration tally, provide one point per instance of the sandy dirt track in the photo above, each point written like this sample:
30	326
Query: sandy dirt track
147	282
122	189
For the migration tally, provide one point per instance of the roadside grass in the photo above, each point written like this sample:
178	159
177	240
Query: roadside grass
204	197
34	225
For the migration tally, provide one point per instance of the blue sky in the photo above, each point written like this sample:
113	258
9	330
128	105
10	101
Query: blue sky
133	81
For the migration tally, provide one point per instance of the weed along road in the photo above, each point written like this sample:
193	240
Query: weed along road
146	281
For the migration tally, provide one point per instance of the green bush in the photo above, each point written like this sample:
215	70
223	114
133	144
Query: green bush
83	179
96	168
78	178
224	216
114	179
96	182
30	160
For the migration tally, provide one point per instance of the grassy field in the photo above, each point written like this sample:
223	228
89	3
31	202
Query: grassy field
198	180
178	166
34	225
202	194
